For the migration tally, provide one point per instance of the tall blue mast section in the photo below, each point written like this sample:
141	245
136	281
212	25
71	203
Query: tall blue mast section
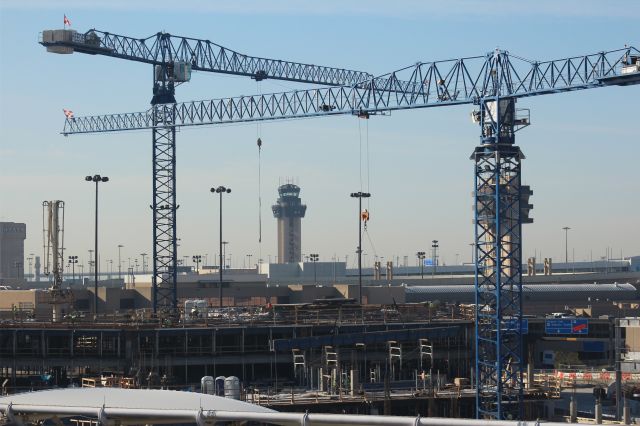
492	83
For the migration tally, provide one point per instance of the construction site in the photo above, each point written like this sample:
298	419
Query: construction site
503	337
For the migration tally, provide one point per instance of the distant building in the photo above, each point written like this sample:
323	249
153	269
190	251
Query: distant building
289	211
12	236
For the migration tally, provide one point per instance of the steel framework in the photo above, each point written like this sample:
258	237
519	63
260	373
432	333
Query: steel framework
493	82
432	84
204	55
498	246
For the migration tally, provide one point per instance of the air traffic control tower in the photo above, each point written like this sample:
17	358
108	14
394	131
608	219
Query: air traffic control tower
289	211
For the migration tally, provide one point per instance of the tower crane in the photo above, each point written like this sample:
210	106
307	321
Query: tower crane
492	83
173	59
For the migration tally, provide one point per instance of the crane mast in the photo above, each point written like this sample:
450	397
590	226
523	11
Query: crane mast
493	83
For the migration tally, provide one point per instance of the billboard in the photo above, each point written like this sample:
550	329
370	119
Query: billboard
566	326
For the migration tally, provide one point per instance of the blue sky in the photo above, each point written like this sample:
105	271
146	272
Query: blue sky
582	149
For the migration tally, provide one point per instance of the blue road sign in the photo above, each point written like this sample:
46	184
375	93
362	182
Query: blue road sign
428	262
512	324
566	326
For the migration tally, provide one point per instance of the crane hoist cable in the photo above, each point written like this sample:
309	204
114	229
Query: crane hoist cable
364	214
368	162
259	143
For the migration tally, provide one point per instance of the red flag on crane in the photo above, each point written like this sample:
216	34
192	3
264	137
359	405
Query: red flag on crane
68	113
66	21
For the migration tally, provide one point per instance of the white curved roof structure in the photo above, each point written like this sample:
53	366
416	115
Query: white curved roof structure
163	406
140	406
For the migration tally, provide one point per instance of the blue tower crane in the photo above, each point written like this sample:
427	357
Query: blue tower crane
493	83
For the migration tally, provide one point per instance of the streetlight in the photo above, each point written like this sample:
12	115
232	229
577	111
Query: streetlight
72	261
360	195
119	262
220	190
197	259
434	246
144	262
249	256
566	241
314	257
97	179
421	256
110	262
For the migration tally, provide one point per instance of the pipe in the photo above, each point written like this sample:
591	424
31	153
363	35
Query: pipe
282	419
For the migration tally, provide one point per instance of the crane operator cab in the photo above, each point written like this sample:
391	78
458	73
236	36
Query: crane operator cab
631	65
629	71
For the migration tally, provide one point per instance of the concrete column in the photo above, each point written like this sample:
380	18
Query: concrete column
598	412
573	410
320	379
626	412
354	382
529	376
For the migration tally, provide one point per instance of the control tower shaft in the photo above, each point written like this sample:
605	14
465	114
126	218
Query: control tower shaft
289	211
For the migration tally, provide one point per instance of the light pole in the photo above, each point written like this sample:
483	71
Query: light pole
90	261
360	195
224	254
72	261
97	179
314	257
197	259
110	262
221	190
144	262
566	244
434	246
119	262
249	256
421	256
